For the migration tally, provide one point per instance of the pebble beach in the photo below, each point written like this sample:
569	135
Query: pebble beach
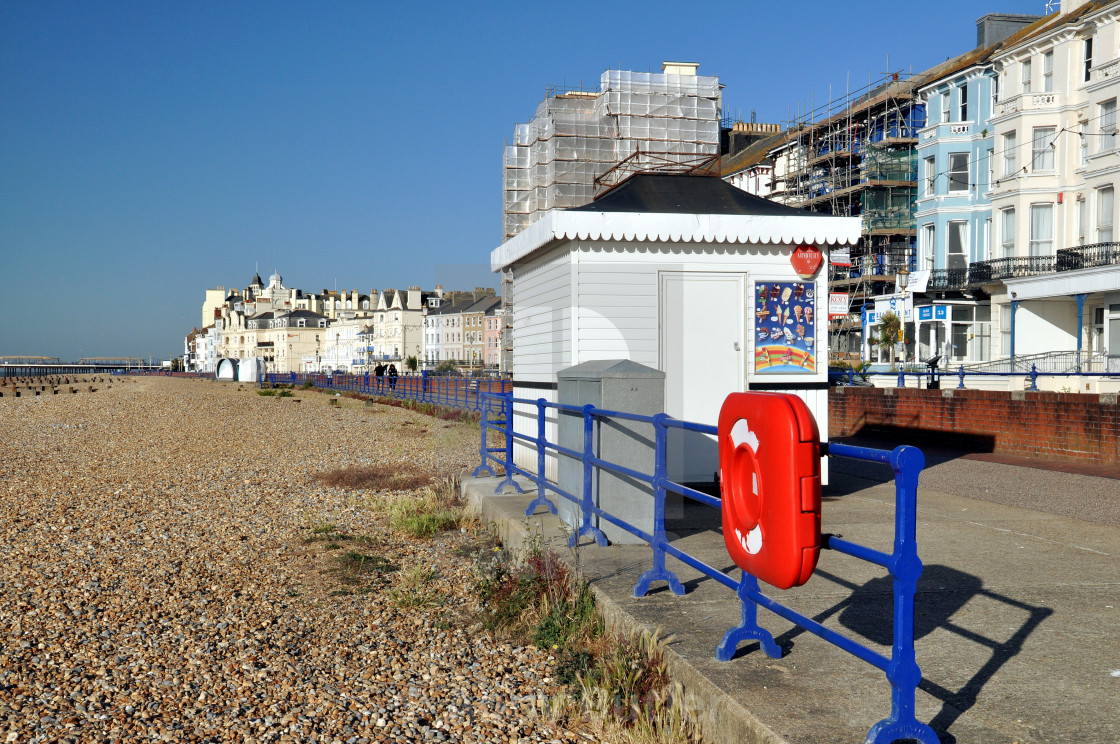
161	577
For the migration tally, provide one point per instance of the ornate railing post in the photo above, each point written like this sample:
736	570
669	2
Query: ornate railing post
905	568
541	499
660	477
587	503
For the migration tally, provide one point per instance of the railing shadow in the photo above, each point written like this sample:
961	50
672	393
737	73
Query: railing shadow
943	591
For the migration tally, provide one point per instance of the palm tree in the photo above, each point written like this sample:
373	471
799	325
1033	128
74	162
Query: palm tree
889	327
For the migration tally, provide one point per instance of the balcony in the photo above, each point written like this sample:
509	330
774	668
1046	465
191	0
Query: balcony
1106	71
998	269
1028	102
1087	256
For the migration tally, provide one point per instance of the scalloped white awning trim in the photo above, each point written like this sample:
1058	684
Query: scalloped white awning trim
822	230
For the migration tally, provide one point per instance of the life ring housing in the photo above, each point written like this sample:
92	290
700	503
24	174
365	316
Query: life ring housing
770	479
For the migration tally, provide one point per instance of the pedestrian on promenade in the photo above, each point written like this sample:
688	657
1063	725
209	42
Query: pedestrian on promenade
392	377
379	376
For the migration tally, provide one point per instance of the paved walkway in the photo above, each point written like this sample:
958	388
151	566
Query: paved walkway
1016	617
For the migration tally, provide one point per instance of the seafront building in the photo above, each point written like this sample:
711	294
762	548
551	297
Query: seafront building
273	328
986	185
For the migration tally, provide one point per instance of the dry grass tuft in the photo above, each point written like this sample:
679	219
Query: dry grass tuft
397	477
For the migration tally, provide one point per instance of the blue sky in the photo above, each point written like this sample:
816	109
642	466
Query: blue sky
151	150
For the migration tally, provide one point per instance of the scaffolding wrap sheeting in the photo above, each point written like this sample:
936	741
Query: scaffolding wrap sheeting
661	120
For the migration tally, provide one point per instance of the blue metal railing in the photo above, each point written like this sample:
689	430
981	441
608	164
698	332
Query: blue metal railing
851	377
448	391
903	564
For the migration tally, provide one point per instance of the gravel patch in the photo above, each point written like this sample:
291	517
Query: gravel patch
161	578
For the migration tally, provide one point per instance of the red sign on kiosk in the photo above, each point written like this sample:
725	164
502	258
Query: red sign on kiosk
770	479
806	259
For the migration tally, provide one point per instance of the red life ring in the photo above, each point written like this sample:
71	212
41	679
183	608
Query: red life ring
770	479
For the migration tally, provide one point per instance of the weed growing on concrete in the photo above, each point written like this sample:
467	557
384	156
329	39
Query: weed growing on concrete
619	685
285	394
266	392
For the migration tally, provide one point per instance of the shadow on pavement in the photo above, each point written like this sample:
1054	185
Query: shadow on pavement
942	593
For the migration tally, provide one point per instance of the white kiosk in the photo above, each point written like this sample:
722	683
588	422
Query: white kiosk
721	290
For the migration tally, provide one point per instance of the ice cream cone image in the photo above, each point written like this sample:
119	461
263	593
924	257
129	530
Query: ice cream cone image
808	315
797	312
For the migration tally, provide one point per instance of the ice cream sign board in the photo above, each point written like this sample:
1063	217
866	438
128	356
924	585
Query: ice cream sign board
806	259
785	328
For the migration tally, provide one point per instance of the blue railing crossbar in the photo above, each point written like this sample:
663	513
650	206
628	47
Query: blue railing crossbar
903	563
961	374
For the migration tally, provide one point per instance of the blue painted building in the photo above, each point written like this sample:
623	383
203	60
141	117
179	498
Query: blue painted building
953	208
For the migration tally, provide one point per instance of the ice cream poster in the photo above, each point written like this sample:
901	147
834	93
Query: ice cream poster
785	328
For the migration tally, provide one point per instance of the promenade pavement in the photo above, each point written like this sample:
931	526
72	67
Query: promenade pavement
1016	616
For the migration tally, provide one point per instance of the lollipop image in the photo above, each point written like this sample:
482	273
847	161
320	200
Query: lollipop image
762	293
760	314
800	331
787	356
798	291
785	295
774	289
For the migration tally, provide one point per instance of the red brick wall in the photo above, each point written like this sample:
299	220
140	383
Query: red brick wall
1059	426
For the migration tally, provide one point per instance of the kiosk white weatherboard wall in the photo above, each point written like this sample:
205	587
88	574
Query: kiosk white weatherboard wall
666	271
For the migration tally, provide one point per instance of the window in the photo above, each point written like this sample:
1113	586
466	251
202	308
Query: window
1042	230
1088	57
1007	232
995	92
929	242
1108	126
1105	204
1082	219
958	239
958	172
962	103
1042	156
986	250
991	168
1010	166
1026	75
931	176
945	108
1048	72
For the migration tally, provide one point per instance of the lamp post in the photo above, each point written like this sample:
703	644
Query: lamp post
903	276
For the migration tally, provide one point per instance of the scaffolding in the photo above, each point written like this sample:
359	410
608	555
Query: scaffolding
855	156
650	121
